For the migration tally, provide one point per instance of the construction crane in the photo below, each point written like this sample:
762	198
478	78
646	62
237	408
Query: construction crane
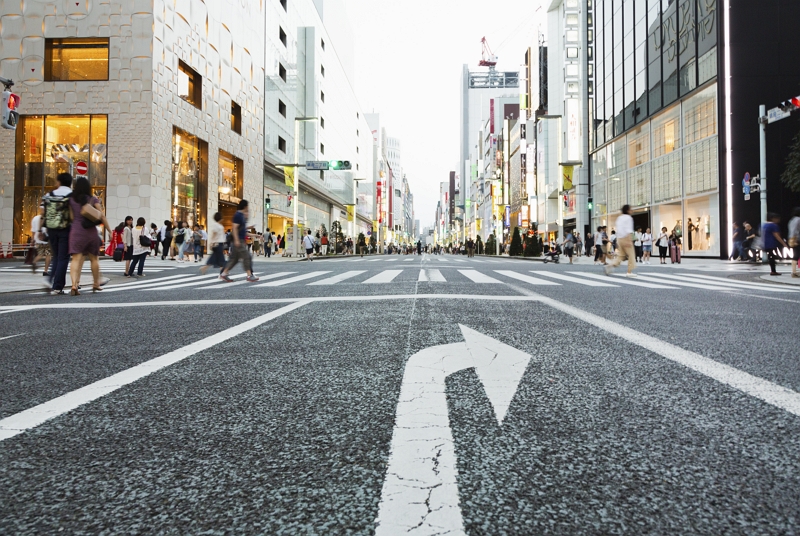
488	59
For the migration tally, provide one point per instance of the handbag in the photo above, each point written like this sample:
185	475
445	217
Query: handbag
145	240
91	216
30	254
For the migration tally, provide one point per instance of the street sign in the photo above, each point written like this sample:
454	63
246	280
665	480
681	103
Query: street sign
317	165
776	114
747	197
81	168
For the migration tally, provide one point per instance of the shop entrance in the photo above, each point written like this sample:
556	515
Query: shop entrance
641	219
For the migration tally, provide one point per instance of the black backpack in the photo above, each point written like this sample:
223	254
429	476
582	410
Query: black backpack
179	235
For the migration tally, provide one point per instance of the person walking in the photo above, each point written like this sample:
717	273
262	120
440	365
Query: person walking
624	233
155	241
84	241
183	239
794	240
647	246
637	244
324	244
771	233
127	239
663	245
239	250
40	242
116	244
308	244
737	238
216	239
58	221
578	244
569	245
165	235
750	235
141	248
197	243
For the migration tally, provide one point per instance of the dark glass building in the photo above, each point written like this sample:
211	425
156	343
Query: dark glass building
677	85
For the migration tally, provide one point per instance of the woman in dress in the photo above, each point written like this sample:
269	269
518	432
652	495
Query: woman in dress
83	237
116	241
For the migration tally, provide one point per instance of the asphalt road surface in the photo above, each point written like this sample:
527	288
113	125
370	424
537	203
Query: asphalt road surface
404	395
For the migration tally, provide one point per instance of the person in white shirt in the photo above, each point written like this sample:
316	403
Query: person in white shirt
637	244
647	246
308	243
624	231
40	242
216	240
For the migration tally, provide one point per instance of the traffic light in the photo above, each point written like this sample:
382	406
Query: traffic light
267	202
591	204
10	115
339	164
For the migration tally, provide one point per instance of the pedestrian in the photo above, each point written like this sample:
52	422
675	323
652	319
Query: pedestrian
637	244
569	245
141	248
663	245
165	236
675	247
155	241
257	244
624	242
613	242
228	242
183	239
308	244
269	245
794	240
771	233
216	239
116	248
578	244
324	244
58	221
239	250
750	235
647	246
737	237
197	243
127	239
40	242
83	237
274	243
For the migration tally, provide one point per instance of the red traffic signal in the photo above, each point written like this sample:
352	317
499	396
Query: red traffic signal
13	101
10	103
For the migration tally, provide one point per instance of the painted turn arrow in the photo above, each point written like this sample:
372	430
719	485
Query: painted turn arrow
420	493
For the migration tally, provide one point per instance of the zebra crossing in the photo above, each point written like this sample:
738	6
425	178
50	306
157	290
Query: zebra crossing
152	266
454	275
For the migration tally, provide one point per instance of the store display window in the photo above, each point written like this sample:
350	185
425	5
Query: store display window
189	178
53	144
702	221
231	186
76	59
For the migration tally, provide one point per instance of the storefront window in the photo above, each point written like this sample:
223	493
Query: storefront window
53	144
190	183
231	186
639	146
76	59
668	215
702	221
666	132
639	186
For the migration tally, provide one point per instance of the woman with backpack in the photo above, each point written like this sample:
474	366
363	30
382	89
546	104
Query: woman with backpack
84	240
141	247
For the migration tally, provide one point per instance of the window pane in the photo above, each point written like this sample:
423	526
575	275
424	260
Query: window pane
76	59
666	133
29	175
700	116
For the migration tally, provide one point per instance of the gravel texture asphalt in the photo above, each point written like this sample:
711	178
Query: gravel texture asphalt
286	428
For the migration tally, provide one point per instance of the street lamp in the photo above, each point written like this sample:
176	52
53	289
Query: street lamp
297	121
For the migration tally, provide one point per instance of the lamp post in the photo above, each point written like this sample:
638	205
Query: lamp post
295	234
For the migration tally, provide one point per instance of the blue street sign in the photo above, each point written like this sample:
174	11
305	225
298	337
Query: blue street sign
317	165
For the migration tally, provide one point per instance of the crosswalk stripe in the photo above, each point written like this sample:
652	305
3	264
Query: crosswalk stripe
225	284
458	260
386	276
441	259
160	283
653	278
572	279
338	278
740	284
408	260
625	281
477	277
375	259
139	283
434	276
192	284
294	279
527	278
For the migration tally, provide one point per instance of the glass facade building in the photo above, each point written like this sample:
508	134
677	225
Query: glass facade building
655	125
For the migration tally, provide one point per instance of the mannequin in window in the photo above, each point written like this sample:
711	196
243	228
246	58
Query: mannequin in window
690	227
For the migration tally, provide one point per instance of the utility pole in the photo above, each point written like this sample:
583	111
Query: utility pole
582	188
295	200
762	171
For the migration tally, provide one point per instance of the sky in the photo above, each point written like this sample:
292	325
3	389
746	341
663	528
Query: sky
409	55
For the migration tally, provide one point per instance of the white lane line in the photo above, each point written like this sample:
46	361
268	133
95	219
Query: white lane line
527	278
30	418
11	336
625	281
375	259
735	283
161	284
434	276
192	284
386	276
224	284
477	277
133	283
654	278
572	279
408	260
337	278
295	279
441	259
764	390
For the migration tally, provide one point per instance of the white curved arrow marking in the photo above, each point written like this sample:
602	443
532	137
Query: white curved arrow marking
420	493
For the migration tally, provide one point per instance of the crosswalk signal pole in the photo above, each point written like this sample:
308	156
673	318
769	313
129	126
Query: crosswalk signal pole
762	138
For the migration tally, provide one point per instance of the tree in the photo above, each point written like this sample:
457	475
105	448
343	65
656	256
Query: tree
491	245
791	175
532	248
478	245
338	237
516	244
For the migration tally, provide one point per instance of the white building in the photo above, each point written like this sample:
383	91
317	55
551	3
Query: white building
180	109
